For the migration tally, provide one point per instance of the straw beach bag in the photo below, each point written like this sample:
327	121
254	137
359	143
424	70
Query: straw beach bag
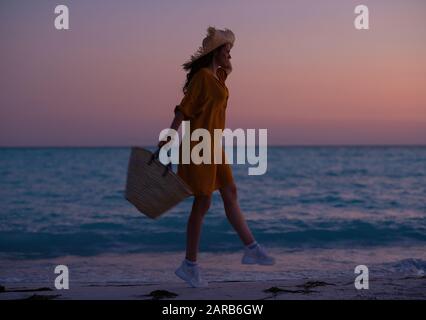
152	187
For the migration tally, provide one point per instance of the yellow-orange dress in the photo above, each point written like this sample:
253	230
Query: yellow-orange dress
204	105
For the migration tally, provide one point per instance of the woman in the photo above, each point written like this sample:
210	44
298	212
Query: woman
204	105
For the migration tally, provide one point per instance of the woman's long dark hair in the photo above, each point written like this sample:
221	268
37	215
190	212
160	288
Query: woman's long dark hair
192	68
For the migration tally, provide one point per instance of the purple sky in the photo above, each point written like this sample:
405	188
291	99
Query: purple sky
301	70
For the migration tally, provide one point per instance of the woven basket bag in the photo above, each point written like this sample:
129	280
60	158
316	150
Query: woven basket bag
152	187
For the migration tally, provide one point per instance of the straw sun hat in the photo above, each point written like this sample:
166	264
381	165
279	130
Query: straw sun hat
214	39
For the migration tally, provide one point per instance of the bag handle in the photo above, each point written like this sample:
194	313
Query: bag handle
156	155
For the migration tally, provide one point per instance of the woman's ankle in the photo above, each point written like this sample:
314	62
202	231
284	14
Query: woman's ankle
252	245
190	262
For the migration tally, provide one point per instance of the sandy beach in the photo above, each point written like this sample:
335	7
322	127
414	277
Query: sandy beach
395	287
301	275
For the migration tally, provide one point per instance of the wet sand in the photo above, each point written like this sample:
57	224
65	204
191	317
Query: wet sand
390	287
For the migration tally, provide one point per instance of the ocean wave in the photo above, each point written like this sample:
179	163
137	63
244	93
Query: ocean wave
97	238
408	266
70	201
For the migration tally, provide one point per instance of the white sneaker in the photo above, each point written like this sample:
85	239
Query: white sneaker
257	255
191	275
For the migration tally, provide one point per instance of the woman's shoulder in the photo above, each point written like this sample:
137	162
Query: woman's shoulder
221	73
201	72
200	75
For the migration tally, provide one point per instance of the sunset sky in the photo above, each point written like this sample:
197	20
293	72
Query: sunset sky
301	70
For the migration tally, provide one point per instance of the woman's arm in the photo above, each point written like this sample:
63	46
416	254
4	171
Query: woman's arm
177	120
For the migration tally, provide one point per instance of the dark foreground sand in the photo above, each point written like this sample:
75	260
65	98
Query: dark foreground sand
390	287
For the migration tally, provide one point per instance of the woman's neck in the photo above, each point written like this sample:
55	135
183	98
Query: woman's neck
213	68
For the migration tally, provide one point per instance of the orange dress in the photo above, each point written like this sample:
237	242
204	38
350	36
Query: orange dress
204	105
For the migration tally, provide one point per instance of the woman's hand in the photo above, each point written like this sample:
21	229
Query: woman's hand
228	67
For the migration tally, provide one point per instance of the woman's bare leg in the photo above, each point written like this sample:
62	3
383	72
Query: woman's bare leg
234	214
200	207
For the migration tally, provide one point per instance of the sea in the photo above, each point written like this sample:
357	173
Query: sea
317	209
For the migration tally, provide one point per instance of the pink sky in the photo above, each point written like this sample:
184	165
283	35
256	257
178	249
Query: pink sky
301	70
